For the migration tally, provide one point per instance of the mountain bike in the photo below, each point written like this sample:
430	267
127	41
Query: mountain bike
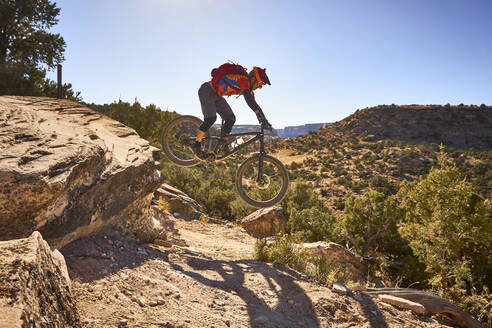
261	179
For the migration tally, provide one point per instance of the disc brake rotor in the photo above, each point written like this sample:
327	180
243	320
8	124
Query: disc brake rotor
263	183
184	139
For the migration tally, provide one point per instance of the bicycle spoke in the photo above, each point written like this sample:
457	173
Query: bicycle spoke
269	185
180	139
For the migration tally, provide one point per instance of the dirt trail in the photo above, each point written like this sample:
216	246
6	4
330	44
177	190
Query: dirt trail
211	280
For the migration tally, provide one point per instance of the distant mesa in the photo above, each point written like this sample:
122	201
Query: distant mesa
299	130
461	127
287	132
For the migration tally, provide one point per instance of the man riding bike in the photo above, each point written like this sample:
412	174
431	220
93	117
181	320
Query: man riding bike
228	79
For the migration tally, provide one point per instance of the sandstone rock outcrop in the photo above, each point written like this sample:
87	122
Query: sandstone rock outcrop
264	222
67	171
34	291
338	256
179	202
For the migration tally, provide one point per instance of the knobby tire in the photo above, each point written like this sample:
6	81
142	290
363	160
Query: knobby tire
164	139
254	161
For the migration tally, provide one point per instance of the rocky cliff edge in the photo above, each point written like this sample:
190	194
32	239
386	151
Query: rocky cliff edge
34	285
68	171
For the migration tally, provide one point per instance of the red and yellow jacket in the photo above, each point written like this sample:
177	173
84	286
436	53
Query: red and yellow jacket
233	84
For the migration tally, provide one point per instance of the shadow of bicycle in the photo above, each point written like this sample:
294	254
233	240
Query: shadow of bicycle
282	304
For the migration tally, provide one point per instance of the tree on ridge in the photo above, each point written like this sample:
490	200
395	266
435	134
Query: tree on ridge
28	49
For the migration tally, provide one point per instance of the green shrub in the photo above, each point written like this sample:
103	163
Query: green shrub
449	228
340	204
282	252
370	224
345	181
240	209
188	180
382	185
368	157
359	166
218	203
339	171
307	214
301	196
359	185
294	166
323	271
313	223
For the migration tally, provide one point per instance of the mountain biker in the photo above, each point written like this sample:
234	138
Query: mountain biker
212	102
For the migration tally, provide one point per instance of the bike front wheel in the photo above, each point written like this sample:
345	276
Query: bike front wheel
266	189
177	138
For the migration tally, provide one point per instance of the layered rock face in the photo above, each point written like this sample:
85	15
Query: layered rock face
179	202
67	171
461	127
34	285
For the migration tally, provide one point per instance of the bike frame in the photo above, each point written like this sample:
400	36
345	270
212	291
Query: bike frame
258	135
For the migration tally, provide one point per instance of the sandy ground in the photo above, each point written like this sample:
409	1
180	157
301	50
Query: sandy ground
211	280
284	155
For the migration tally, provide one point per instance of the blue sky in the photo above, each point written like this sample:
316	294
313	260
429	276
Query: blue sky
325	59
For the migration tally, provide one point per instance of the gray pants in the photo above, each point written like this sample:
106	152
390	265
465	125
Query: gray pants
212	104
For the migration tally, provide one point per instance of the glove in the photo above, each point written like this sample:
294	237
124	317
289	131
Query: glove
264	122
266	125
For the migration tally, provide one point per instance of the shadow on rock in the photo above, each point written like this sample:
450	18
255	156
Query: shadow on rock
299	312
100	255
371	311
95	257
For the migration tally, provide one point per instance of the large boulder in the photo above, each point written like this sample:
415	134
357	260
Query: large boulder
67	170
34	285
338	256
179	203
264	222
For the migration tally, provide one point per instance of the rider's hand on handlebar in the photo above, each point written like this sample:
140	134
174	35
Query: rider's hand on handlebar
266	125
264	122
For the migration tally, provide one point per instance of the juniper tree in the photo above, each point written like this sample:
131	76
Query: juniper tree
449	228
28	48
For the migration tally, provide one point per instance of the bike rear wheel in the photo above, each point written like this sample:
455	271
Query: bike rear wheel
265	190
177	138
